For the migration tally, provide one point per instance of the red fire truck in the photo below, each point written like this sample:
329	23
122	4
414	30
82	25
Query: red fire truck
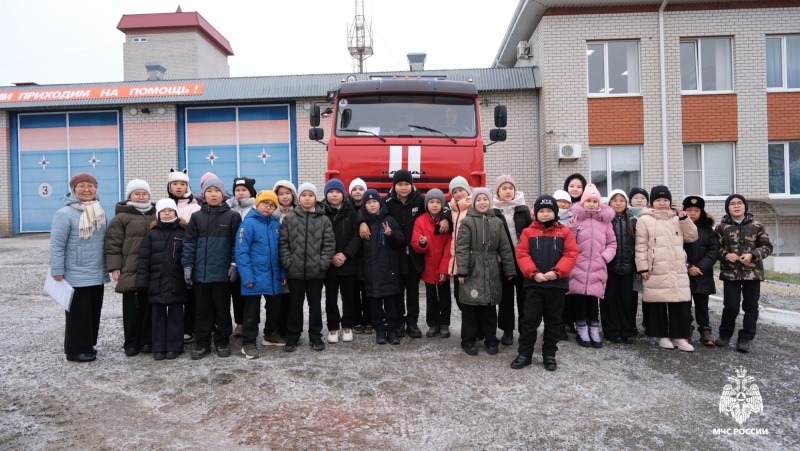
430	127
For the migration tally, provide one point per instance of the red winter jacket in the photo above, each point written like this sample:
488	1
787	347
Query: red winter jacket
436	251
543	250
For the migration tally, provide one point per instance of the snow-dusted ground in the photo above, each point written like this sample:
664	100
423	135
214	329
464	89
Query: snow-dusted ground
423	394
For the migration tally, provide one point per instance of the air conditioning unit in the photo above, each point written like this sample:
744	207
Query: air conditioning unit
569	151
523	50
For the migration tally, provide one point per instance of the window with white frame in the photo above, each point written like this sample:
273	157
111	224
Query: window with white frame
706	65
613	67
784	168
616	167
708	169
783	62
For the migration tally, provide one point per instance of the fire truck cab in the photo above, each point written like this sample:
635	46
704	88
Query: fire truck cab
430	127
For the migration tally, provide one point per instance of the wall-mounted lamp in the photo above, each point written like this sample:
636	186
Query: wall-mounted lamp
161	110
133	111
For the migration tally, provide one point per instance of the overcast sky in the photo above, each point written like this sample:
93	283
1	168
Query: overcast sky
58	41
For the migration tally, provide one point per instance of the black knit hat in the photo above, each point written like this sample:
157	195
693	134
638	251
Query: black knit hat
372	194
545	201
248	183
736	196
402	175
694	201
637	190
660	192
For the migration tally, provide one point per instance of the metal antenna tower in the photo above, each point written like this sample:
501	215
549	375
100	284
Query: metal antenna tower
359	38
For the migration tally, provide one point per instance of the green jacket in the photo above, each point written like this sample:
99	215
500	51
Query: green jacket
749	236
481	240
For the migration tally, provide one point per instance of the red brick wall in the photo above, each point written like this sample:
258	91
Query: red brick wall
616	120
710	118
783	115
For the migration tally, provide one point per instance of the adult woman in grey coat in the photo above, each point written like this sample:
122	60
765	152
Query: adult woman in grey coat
77	256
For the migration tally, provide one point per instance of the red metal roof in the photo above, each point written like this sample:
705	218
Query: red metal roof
133	22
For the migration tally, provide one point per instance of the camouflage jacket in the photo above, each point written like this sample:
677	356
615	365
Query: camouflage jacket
747	236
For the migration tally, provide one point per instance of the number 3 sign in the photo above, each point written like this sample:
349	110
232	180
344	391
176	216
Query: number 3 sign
45	190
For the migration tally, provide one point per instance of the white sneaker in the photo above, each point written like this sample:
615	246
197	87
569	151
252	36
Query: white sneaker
333	336
666	343
682	344
347	334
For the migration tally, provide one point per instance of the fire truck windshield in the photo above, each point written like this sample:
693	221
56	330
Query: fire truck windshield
387	116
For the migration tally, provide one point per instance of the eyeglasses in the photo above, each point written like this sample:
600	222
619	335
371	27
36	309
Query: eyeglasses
270	206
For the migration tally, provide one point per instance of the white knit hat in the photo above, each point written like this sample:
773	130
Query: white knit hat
618	191
165	203
357	182
135	184
560	194
178	176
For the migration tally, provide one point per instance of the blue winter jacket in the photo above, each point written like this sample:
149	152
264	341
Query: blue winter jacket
209	242
257	255
82	262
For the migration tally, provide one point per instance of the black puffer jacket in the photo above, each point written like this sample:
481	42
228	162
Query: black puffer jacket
345	230
381	264
210	243
624	262
703	253
159	269
307	243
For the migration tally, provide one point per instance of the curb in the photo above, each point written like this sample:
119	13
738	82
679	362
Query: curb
773	315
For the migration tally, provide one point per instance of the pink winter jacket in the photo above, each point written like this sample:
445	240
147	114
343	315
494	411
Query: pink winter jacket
597	245
458	212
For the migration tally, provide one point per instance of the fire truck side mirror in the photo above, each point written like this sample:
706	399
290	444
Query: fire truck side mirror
313	116
500	117
316	134
497	134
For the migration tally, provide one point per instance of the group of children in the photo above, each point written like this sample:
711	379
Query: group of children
570	261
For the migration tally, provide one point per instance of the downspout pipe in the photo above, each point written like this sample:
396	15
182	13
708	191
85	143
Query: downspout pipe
539	139
663	63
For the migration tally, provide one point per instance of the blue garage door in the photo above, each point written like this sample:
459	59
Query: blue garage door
247	141
54	146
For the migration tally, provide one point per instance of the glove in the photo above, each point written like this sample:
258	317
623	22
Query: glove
233	273
187	275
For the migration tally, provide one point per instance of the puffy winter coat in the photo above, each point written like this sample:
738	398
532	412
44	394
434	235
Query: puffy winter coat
703	253
123	239
82	262
257	256
345	231
459	212
381	256
541	250
209	243
660	235
597	245
307	243
242	207
436	250
159	269
624	227
481	240
187	207
747	237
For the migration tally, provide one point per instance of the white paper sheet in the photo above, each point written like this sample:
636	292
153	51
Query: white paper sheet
60	291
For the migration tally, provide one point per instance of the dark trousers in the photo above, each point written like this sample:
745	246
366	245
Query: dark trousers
541	303
167	320
251	316
189	312
700	311
568	315
300	290
478	319
362	306
668	319
409	310
437	304
617	308
136	323
586	308
273	308
746	293
505	315
456	288
347	285
238	302
384	313
83	320
283	319
213	301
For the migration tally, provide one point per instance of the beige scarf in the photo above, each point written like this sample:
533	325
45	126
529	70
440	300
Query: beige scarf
92	218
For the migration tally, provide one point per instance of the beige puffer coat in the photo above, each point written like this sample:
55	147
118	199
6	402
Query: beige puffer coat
660	235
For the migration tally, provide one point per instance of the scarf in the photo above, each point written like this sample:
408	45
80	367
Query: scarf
92	218
507	209
143	208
